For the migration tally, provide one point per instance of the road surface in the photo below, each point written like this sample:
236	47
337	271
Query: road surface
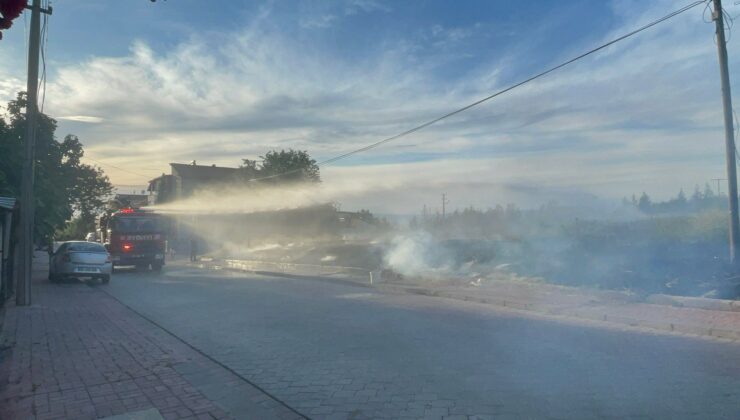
332	350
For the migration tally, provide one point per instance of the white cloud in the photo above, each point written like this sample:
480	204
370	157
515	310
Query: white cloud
354	7
349	8
644	114
81	118
313	22
9	87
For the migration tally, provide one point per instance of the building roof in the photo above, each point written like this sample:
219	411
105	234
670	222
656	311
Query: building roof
130	195
7	203
202	172
152	182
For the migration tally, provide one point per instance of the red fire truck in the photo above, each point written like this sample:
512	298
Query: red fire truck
134	237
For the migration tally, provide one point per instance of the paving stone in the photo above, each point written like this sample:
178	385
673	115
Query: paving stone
418	352
105	358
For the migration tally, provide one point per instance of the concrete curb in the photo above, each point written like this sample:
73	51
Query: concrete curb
695	302
336	280
656	299
577	312
605	317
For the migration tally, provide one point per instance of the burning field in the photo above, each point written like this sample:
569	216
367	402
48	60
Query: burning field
618	248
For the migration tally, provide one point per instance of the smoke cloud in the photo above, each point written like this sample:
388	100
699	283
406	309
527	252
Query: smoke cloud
258	198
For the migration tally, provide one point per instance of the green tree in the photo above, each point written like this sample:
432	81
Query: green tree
63	187
645	204
681	198
696	196
248	170
91	186
281	167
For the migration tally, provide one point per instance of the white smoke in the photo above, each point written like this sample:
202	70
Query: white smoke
407	254
255	198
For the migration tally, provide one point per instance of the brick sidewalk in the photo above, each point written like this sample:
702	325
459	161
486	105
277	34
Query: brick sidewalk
78	353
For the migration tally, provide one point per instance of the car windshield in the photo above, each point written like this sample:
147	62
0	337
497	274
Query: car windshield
84	247
136	224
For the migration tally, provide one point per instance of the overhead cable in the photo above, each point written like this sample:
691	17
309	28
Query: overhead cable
148	177
500	92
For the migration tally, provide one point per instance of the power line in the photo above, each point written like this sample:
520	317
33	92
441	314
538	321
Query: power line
147	177
704	13
500	92
728	23
44	43
44	38
25	33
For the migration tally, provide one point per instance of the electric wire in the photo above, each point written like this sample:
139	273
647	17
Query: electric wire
494	95
44	41
147	177
25	34
704	12
729	22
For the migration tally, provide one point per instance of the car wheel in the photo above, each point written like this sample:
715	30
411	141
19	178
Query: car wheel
157	267
105	279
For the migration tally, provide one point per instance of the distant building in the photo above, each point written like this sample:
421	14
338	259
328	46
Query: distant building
186	179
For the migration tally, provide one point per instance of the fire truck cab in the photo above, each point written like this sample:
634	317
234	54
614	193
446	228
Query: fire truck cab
134	237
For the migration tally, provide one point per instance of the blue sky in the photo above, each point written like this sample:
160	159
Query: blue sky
144	84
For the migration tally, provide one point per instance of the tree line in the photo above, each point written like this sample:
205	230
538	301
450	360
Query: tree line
700	200
280	167
67	193
511	221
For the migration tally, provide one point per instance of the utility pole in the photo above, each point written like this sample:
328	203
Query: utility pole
23	291
444	204
729	130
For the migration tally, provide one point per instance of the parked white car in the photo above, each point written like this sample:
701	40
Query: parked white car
80	259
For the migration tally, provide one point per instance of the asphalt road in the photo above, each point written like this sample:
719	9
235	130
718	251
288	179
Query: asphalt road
340	351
